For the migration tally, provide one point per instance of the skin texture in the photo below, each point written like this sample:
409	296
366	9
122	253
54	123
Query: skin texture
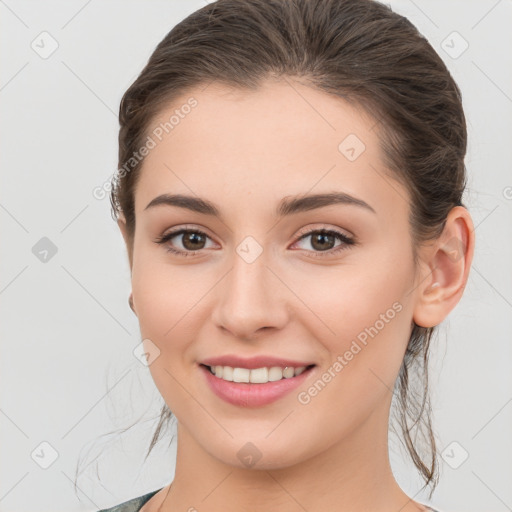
245	151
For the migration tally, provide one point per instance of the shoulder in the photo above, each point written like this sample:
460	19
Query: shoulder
133	505
427	508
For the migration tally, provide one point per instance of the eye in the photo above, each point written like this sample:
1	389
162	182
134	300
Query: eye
322	241
192	240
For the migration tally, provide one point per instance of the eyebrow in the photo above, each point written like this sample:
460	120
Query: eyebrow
288	206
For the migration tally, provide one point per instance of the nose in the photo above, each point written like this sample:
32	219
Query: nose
250	299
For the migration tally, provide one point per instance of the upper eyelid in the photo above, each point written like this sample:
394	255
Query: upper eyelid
309	230
183	229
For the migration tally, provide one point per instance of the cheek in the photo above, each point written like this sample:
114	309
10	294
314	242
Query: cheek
167	309
363	315
347	301
162	297
171	301
369	327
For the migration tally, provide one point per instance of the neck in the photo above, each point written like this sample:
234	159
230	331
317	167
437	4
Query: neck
352	475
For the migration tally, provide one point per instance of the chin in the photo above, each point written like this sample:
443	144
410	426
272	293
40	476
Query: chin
258	455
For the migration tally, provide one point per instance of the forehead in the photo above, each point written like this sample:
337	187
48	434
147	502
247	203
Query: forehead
284	138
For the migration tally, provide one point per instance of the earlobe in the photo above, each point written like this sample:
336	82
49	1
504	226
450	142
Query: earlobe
130	303
447	262
121	222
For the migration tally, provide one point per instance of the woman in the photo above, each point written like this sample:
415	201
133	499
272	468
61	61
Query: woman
289	191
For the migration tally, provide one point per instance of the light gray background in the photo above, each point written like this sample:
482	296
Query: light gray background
68	372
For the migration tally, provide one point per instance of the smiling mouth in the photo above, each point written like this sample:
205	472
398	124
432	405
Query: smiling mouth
256	375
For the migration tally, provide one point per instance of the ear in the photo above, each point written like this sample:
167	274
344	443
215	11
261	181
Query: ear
445	269
121	222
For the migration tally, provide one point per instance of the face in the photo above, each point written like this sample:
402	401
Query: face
260	280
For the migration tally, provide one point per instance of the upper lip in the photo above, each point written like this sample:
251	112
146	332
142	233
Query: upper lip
253	362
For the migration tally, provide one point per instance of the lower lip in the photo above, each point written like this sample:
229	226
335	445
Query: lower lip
244	394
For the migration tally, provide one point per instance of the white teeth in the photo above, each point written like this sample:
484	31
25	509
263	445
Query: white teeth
288	372
226	372
256	375
275	373
241	374
259	375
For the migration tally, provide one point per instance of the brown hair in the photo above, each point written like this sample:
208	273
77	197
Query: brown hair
358	50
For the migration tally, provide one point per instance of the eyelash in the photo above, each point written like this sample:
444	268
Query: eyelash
347	241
